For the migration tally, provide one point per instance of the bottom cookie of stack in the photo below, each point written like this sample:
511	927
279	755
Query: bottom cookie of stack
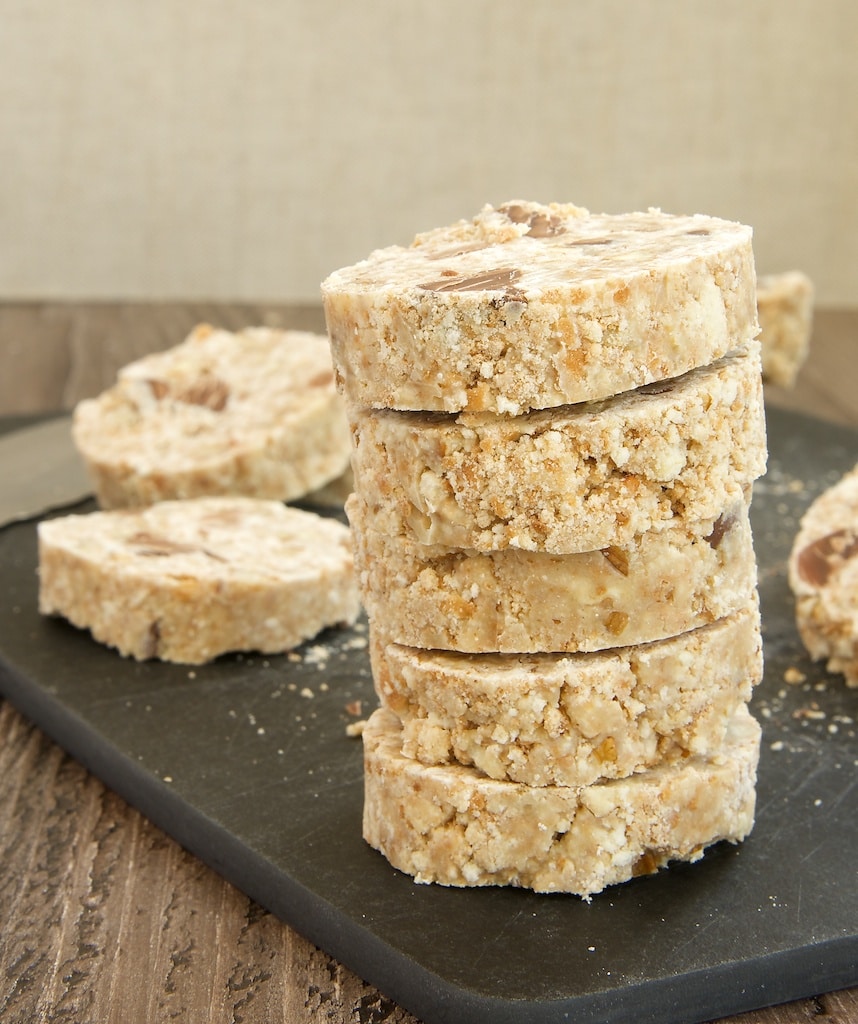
454	826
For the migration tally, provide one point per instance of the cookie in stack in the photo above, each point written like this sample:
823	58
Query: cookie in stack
556	423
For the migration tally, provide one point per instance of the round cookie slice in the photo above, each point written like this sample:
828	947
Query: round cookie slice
187	581
530	306
569	479
658	584
570	720
254	413
823	575
454	826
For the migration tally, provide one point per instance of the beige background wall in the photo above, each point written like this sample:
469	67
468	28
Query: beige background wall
242	149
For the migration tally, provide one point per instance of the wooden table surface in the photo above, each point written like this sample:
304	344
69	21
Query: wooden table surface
104	918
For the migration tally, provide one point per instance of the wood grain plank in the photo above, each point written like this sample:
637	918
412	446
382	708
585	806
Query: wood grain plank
34	359
107	919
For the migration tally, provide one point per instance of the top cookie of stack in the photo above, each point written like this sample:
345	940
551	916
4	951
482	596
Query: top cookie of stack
532	306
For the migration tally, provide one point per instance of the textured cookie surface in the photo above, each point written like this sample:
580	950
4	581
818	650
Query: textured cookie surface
574	478
532	306
187	581
454	826
653	586
785	312
823	574
254	413
570	720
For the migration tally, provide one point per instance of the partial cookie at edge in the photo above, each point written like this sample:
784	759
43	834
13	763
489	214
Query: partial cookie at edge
823	575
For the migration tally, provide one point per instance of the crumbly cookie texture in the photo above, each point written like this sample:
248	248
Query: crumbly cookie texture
532	306
656	585
785	312
571	720
452	825
570	479
187	581
254	413
823	575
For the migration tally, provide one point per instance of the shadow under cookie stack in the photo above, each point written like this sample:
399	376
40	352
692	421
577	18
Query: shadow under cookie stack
557	420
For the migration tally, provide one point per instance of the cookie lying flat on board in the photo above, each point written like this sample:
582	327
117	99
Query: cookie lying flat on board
570	479
655	585
785	310
570	720
254	413
530	306
187	581
823	575
454	826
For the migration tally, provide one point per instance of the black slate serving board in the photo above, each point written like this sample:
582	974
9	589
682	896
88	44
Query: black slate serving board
247	763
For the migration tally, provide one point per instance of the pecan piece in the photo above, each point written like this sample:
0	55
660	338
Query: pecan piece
617	622
208	391
618	558
720	528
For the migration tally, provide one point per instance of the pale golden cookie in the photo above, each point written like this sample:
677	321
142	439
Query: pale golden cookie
655	585
531	306
253	413
454	826
568	479
570	720
823	574
186	581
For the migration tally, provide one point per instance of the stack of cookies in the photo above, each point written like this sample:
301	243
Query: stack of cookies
556	422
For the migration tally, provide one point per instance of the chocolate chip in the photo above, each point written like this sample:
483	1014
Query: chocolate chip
699	231
591	241
819	560
720	528
458	250
510	295
488	281
541	225
545	227
658	387
150	545
321	379
517	214
208	391
152	641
